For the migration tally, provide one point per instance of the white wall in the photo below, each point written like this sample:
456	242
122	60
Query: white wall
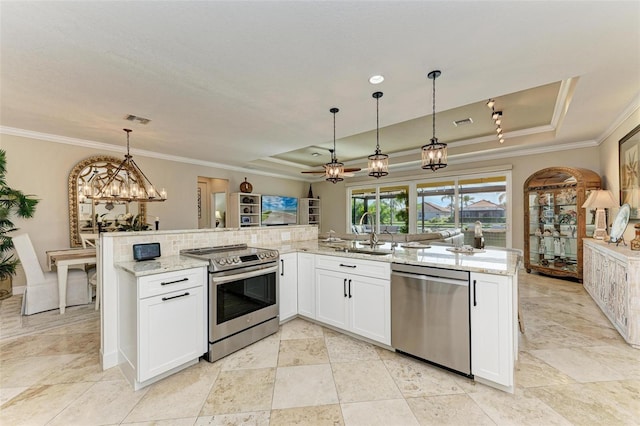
42	168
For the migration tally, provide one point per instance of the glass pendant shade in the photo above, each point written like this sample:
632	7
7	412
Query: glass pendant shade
378	163
334	171
434	154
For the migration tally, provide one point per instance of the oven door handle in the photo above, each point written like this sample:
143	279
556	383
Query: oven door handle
244	275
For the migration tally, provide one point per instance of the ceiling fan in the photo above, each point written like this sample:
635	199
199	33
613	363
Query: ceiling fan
348	171
334	170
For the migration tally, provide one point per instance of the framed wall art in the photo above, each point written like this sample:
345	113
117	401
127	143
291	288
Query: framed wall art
628	155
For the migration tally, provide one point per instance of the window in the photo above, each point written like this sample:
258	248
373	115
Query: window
438	205
435	206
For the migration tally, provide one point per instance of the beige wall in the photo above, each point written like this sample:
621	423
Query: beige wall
522	167
609	164
42	168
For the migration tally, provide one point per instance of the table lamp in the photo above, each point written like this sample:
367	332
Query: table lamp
600	199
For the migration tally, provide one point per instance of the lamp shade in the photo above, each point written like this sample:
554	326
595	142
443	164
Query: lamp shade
600	199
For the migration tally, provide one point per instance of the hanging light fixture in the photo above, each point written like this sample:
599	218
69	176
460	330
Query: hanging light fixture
335	169
378	162
434	154
122	185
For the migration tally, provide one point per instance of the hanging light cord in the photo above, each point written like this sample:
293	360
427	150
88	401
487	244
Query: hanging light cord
333	154
434	107
377	126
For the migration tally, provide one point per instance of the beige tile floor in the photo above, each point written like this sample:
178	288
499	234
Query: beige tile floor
573	369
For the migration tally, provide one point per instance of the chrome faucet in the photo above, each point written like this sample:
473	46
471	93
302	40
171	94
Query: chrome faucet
393	243
373	237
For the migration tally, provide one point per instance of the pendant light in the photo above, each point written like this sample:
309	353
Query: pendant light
378	162
122	186
434	154
335	169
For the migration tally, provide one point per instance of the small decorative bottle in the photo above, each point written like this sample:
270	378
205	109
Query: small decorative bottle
635	243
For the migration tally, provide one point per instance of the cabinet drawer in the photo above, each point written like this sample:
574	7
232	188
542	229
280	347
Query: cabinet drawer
366	268
154	285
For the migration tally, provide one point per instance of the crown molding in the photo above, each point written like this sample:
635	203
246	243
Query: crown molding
143	153
633	106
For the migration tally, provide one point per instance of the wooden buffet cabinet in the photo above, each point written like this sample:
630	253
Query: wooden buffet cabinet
555	222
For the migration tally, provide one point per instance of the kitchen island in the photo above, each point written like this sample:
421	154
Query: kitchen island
364	275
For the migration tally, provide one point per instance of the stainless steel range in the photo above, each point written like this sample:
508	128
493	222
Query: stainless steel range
243	296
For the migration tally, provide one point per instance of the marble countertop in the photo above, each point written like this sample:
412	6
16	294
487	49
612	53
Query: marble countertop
160	265
496	261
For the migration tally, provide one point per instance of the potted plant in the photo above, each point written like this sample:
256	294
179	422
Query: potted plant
13	203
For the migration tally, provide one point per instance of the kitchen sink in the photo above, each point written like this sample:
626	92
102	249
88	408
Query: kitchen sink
375	252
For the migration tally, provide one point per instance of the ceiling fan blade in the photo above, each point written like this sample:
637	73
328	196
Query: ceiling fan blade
351	169
318	172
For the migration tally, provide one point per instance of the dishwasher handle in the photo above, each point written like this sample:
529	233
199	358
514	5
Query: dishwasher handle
432	278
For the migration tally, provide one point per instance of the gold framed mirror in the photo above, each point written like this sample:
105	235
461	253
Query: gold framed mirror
86	214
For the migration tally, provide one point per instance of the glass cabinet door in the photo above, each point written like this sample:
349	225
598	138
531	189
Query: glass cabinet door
553	239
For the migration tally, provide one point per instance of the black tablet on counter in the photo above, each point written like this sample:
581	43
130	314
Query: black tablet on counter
146	251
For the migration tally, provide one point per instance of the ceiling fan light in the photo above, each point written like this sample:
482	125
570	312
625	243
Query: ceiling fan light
491	103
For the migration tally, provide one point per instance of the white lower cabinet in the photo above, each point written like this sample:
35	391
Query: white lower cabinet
306	285
288	286
354	295
162	323
492	329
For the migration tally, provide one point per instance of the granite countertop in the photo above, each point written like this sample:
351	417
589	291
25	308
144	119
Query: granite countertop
496	261
491	260
160	265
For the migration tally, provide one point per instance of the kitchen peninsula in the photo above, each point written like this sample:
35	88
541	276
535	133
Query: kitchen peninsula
493	274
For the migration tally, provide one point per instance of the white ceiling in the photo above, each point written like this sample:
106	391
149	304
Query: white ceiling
236	83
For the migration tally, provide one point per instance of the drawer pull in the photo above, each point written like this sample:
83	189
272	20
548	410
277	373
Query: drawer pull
164	299
347	266
174	282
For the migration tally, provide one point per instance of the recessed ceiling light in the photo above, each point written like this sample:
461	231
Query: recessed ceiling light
315	154
376	79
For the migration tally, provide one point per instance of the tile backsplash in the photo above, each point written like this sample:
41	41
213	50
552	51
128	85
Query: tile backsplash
172	242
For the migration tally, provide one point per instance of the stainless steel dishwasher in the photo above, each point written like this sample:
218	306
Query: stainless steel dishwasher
430	315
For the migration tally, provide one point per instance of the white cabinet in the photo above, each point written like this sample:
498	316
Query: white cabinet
244	210
288	286
354	295
612	278
493	328
309	211
306	285
162	323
